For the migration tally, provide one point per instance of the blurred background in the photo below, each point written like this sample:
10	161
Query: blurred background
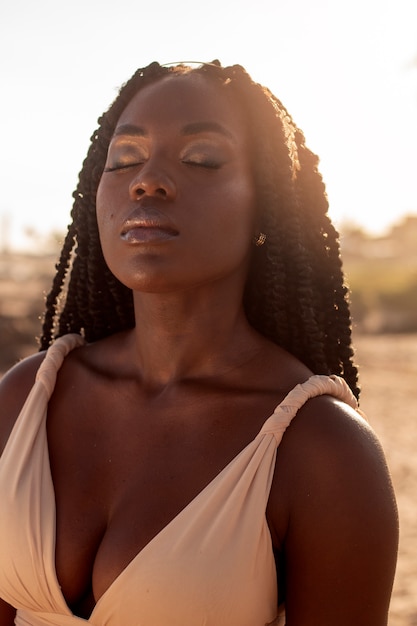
346	71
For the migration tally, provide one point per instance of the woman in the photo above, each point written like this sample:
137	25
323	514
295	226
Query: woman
205	310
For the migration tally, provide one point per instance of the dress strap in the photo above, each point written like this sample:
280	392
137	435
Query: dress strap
54	358
316	385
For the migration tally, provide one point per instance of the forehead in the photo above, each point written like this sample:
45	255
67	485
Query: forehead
183	100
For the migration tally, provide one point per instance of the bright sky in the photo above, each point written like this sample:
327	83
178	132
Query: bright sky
346	71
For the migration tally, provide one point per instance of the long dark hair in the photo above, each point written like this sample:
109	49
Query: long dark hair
295	293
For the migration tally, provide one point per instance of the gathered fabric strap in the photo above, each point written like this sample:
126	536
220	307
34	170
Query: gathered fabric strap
55	356
315	386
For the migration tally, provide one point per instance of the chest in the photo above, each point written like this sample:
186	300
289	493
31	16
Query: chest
124	466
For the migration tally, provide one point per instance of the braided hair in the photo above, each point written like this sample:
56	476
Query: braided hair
295	293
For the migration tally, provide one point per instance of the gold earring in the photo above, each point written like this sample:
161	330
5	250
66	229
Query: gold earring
260	239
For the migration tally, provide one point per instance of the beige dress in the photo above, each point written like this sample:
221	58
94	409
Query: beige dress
212	565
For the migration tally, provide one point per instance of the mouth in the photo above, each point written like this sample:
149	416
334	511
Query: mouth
148	226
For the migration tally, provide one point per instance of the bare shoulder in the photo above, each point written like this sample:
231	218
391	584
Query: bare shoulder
17	383
327	429
340	532
14	389
329	445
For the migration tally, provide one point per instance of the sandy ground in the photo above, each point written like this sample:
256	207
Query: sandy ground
388	367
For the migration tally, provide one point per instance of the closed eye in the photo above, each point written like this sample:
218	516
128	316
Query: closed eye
208	163
124	154
116	168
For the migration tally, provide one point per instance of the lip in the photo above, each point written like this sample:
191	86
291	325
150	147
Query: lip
148	225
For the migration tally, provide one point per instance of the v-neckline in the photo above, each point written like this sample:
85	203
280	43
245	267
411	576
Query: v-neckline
101	600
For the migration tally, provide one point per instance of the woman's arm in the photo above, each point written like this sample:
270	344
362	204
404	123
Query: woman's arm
341	539
14	389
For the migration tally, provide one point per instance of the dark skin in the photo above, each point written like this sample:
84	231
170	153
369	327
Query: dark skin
114	421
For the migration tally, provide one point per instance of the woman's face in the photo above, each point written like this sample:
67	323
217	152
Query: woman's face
176	201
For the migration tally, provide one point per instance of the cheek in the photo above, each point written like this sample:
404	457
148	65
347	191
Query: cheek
240	206
105	215
99	203
227	226
104	210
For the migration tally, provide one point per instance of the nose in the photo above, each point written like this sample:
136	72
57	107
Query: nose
152	181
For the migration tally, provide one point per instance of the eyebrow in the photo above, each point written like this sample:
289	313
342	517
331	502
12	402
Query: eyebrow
130	129
204	127
194	128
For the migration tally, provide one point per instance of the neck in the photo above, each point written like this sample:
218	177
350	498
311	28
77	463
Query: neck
190	335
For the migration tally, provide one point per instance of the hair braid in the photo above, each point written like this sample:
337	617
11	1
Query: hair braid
52	299
328	279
